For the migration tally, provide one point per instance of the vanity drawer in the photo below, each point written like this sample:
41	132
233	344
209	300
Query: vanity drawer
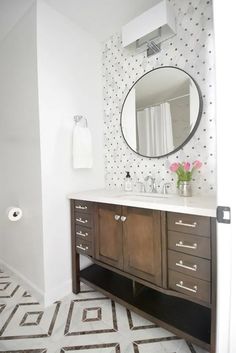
83	206
190	224
84	247
84	219
189	244
189	265
190	286
84	233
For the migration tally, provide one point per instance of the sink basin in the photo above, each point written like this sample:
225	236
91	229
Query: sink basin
144	196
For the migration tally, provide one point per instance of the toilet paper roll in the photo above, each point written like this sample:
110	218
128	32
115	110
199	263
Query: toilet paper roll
14	214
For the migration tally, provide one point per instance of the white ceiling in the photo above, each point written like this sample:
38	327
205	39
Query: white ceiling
101	18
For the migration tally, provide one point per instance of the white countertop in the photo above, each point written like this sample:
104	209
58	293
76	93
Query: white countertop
198	205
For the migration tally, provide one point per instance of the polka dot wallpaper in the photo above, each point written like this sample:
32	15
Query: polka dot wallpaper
192	50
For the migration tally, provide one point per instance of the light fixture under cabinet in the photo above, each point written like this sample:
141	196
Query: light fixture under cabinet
150	29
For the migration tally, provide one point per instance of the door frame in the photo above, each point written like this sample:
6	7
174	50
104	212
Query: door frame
224	21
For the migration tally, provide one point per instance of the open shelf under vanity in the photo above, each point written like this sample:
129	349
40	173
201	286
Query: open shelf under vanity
173	313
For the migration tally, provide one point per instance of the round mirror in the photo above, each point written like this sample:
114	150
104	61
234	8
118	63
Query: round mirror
161	112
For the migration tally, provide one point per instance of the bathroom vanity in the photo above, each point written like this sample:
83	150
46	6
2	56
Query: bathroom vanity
156	255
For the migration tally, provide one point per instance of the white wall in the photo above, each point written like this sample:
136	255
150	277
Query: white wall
11	11
21	243
69	71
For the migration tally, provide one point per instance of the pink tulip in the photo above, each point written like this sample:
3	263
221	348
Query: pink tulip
186	166
174	167
197	164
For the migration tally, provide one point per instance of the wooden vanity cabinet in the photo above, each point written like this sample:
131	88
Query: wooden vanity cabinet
160	264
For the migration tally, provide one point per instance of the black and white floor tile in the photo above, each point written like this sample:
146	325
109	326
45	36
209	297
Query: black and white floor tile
88	322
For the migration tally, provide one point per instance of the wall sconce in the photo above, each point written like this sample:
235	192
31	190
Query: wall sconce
147	31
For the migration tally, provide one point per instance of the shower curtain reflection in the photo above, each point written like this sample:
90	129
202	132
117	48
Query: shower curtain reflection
154	130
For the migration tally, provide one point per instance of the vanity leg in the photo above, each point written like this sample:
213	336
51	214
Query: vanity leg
75	256
76	274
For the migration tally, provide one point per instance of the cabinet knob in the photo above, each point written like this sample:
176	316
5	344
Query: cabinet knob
117	217
123	218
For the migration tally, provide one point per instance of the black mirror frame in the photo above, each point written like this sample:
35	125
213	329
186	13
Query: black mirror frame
196	123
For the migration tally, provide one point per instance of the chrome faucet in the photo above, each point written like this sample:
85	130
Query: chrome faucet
165	188
152	185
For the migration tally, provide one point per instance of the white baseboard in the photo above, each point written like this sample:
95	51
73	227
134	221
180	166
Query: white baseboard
45	298
23	281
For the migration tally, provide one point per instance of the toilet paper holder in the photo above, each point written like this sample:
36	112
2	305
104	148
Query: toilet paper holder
14	213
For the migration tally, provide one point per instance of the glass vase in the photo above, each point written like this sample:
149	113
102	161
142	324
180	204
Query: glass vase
185	188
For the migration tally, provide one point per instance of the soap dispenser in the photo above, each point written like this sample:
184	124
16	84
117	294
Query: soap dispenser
128	182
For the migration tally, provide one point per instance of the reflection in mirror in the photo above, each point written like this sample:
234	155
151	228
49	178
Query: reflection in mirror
161	112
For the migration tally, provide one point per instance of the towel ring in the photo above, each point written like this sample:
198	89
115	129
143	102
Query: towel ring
78	118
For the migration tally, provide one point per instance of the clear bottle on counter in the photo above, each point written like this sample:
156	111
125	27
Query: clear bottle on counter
128	186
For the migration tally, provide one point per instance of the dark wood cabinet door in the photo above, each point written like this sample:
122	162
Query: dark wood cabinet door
109	242
142	244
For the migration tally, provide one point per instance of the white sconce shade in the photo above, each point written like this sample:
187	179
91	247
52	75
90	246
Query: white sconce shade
150	28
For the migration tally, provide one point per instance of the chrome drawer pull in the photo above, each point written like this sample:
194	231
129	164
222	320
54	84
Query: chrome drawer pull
181	285
81	207
123	218
82	234
180	223
81	247
117	217
180	244
181	264
81	221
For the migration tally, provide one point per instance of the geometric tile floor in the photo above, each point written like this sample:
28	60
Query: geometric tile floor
86	323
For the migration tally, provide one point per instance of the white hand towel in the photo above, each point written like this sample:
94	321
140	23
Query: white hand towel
82	147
